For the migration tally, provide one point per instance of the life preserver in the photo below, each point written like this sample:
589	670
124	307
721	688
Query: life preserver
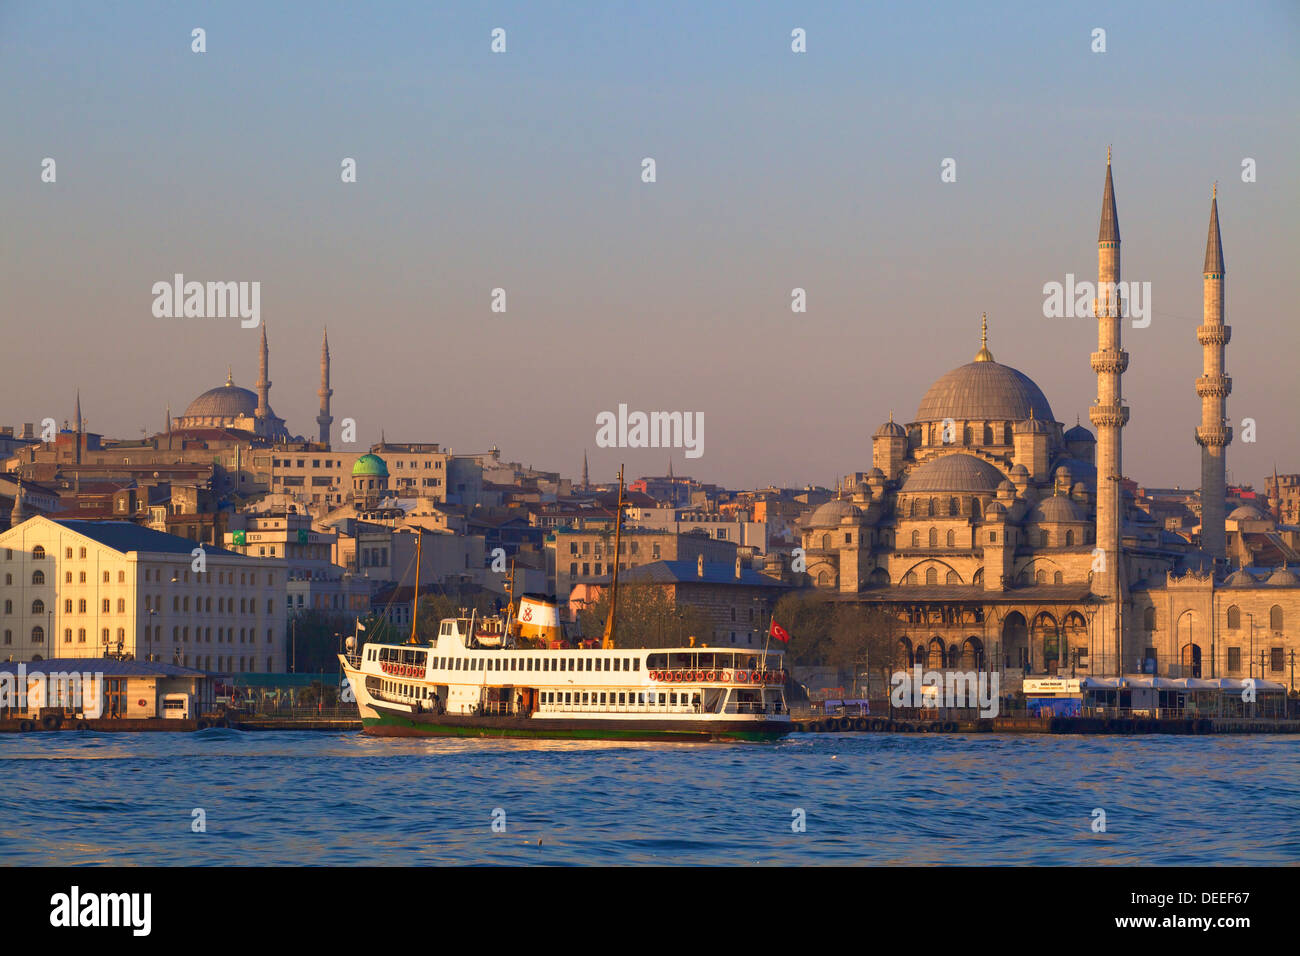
677	676
755	677
711	677
741	677
726	677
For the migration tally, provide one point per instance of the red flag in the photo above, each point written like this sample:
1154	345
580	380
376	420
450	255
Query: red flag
780	633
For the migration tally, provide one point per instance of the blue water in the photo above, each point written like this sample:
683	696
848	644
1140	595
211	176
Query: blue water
331	799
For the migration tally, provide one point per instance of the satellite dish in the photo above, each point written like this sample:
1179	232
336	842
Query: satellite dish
350	643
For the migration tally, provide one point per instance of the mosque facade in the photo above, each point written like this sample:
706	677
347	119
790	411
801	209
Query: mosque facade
1001	538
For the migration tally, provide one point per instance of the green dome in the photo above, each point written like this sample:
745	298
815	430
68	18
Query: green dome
370	465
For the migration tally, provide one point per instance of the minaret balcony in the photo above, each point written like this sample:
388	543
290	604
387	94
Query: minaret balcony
1214	334
1213	436
1214	386
1110	361
1108	416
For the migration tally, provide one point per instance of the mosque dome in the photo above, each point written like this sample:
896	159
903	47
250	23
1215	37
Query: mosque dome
830	514
984	391
1241	578
1057	508
1246	513
1079	433
227	401
891	429
1031	426
370	466
1283	577
955	472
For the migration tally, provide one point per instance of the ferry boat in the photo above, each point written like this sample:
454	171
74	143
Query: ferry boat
516	676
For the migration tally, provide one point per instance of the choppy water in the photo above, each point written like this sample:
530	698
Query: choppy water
306	798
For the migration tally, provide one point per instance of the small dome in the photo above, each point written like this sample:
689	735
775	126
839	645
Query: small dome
995	511
875	475
891	429
369	465
830	514
1057	508
1063	473
1246	513
1020	471
1241	578
1031	426
1005	487
955	472
1079	433
1283	577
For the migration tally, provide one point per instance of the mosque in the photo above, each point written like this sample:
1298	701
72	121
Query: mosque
1001	538
229	406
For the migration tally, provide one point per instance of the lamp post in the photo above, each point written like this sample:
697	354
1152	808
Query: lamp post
1252	643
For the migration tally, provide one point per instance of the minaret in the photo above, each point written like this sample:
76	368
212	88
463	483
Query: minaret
77	427
325	419
586	484
1109	416
263	412
19	513
1214	433
169	425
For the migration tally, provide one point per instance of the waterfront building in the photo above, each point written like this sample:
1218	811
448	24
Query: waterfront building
1002	538
71	588
313	580
576	557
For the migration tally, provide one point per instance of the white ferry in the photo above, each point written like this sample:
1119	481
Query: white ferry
515	676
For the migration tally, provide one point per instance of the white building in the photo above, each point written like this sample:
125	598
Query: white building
90	588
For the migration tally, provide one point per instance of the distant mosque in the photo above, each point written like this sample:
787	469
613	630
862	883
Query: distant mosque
229	406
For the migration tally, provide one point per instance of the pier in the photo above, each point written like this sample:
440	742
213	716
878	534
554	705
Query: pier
1121	726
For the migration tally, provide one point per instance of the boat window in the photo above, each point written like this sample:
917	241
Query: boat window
636	663
618	663
622	698
663	699
567	697
589	663
607	663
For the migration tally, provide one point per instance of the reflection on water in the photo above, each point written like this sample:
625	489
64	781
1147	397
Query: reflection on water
338	799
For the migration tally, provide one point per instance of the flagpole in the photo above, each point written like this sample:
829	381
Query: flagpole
766	640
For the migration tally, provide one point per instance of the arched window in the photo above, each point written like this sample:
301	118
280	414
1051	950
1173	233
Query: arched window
1042	539
916	539
934	507
1041	577
953	578
38	553
38	607
1234	618
1069	539
9	607
931	576
953	507
1275	617
38	635
952	538
1057	578
826	546
909	578
38	577
988	434
934	537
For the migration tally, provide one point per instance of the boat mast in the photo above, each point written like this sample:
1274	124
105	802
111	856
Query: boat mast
415	603
608	642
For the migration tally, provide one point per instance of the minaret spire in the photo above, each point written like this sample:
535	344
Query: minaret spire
1109	416
585	478
325	419
263	412
1213	387
983	355
77	427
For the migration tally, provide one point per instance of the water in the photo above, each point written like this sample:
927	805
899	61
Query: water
331	799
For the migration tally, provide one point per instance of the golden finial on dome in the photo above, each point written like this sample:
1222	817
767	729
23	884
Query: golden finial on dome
984	355
230	375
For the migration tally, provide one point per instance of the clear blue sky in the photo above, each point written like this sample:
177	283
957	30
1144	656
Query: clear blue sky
522	171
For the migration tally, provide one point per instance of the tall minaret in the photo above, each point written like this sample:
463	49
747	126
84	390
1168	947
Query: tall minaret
1109	416
263	412
1213	386
325	419
586	484
77	427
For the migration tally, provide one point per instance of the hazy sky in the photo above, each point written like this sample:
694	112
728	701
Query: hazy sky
522	171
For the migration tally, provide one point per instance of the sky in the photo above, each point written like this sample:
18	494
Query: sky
523	171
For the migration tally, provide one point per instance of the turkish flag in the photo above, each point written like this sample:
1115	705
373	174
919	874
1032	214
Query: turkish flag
780	633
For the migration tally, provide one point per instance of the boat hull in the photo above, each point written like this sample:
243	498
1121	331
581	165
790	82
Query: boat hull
388	724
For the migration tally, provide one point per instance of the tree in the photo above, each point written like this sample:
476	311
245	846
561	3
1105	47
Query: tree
312	640
647	617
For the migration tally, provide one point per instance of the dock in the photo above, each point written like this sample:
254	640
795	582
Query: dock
1122	726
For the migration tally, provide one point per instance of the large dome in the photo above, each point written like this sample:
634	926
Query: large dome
225	401
955	472
984	391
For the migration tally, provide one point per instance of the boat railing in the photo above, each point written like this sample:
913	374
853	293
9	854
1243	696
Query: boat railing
622	708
